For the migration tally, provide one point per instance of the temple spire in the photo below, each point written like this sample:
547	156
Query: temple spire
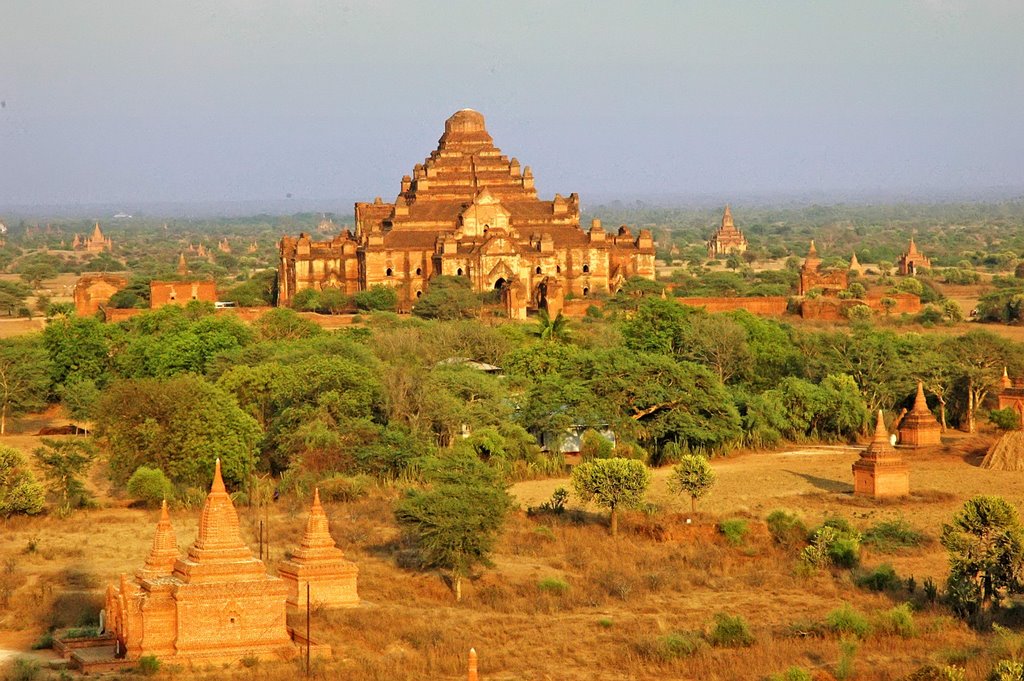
472	676
881	432
165	547
218	481
182	264
1005	380
920	402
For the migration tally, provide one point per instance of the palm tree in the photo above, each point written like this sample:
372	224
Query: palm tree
549	329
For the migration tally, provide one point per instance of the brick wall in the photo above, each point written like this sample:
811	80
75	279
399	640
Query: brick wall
762	305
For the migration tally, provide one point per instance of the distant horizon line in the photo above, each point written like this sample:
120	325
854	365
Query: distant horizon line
207	208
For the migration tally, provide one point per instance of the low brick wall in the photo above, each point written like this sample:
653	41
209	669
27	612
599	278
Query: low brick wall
834	309
762	305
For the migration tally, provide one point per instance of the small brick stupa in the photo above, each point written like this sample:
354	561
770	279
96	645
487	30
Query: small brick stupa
880	472
471	675
321	564
218	604
919	428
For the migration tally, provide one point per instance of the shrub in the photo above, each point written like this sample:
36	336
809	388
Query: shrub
847	621
378	297
847	651
898	621
344	488
670	647
24	669
786	529
1005	419
1007	670
834	543
793	674
75	609
556	504
594	445
889	536
553	585
730	631
734	529
882	578
20	492
150	486
148	665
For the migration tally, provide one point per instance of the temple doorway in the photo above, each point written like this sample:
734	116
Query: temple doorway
500	283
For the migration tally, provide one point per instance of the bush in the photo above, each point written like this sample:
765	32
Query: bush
344	488
378	297
898	621
553	585
1005	419
889	536
594	445
786	529
834	543
75	609
882	578
24	669
734	529
1007	670
20	492
846	621
793	674
148	665
670	647
730	631
150	486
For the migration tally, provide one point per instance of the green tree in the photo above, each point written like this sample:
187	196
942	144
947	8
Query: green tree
79	349
64	463
448	298
333	301
612	484
282	323
456	517
978	358
179	425
549	329
24	378
694	476
150	486
306	300
19	490
985	543
12	296
378	297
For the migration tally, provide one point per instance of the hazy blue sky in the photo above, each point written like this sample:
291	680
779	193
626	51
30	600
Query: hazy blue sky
136	101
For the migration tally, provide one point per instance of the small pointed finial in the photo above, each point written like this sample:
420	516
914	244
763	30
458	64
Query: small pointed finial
316	497
881	432
472	665
164	515
218	481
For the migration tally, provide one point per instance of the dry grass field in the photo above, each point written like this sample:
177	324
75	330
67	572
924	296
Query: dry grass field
564	600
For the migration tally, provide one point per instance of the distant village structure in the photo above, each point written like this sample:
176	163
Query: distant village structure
94	243
913	261
470	211
727	239
880	472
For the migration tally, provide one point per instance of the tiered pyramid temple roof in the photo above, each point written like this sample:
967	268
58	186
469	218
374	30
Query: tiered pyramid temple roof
727	238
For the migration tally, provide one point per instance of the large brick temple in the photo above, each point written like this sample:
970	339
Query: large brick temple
469	211
215	604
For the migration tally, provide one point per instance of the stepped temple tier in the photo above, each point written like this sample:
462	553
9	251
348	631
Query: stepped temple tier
727	239
469	211
919	428
216	604
321	565
880	472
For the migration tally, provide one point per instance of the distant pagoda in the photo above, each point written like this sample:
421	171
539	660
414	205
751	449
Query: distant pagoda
880	471
919	428
727	239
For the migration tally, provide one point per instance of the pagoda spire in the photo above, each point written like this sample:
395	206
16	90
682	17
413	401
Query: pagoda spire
920	402
472	675
165	547
182	264
727	217
1005	380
